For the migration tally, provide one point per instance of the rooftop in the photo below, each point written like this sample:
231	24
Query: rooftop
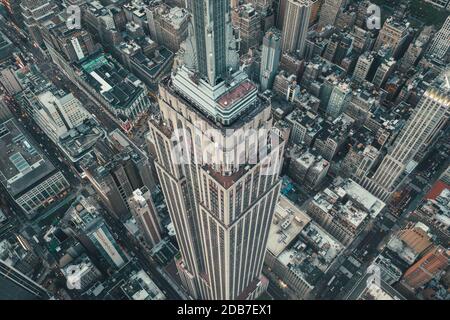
228	102
141	287
110	152
260	104
130	282
79	140
338	129
370	290
153	66
105	75
312	254
175	16
287	223
372	204
348	202
238	93
308	119
21	163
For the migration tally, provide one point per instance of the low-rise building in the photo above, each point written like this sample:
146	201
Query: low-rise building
333	135
307	168
344	209
60	115
299	251
147	60
111	85
131	282
435	211
80	273
27	174
305	126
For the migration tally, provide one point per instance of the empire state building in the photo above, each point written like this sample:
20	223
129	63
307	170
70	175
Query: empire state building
218	161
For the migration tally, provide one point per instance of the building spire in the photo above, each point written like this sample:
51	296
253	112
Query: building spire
211	49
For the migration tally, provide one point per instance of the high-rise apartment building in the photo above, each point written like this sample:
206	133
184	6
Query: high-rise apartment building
168	26
270	60
440	45
383	72
413	53
247	21
295	27
427	119
280	7
329	12
363	66
393	35
144	212
338	99
315	10
221	193
116	169
262	5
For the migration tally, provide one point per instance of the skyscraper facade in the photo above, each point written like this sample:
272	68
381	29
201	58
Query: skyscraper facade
219	177
270	60
440	45
338	99
211	22
329	12
429	117
295	27
14	285
247	21
146	216
393	35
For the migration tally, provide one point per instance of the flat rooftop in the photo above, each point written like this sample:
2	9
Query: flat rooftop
141	287
372	204
287	223
110	79
348	206
244	118
238	93
21	163
365	289
79	140
153	66
327	246
312	254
